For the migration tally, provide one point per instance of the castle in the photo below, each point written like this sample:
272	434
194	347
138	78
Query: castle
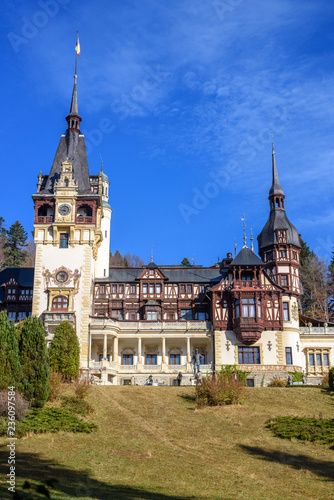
136	322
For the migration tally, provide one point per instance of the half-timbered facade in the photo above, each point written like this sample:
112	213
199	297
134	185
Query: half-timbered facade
136	322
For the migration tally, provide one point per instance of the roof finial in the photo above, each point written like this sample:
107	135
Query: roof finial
152	253
244	226
252	239
77	50
193	259
101	163
272	138
235	247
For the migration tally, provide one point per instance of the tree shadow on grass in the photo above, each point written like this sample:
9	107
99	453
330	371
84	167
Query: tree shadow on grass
320	467
74	483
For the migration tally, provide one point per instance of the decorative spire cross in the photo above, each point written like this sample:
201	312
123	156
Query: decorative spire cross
252	239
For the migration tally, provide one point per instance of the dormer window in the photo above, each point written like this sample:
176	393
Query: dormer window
151	272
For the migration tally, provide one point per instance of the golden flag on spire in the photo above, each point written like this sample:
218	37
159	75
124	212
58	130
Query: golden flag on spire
77	47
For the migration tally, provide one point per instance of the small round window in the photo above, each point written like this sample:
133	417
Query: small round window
62	276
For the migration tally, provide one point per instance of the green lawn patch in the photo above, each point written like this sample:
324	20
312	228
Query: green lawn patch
304	429
76	405
42	420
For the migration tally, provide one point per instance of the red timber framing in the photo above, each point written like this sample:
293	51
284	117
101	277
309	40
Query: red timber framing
85	211
44	211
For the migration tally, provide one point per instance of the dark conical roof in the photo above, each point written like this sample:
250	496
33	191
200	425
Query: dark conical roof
246	258
74	102
278	220
275	187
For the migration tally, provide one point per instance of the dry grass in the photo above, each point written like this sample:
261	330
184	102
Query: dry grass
153	444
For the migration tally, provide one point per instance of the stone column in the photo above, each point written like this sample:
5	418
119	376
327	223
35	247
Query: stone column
105	340
90	349
188	364
163	357
139	350
115	350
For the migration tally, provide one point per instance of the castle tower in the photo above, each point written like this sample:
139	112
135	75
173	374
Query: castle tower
71	234
279	248
279	243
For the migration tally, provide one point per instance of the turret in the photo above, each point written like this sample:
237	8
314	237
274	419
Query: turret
279	242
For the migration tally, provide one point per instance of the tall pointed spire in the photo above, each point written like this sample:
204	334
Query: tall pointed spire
275	187
73	118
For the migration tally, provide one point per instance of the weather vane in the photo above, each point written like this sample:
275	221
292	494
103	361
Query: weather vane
244	226
152	253
235	247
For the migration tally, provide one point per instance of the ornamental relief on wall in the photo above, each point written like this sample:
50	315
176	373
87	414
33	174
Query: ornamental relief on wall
61	277
294	312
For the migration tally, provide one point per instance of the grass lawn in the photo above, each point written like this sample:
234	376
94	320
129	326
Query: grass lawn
151	443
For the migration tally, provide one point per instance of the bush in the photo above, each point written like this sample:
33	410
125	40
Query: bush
331	379
305	429
57	385
75	405
41	420
21	405
82	386
65	351
217	390
276	381
229	370
297	376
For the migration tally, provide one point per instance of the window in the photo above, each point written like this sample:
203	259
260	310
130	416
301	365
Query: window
63	240
288	355
286	314
102	289
250	382
175	359
202	289
152	315
189	289
326	360
151	287
248	308
127	359
158	288
101	357
22	292
145	288
282	254
186	314
237	309
151	272
21	315
270	255
121	288
183	288
11	316
201	316
247	276
117	313
114	288
249	355
60	302
284	280
133	289
294	255
259	308
151	359
318	358
311	359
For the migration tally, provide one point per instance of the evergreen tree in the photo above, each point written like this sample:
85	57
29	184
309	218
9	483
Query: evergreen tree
10	368
34	362
305	252
65	351
16	240
2	241
185	262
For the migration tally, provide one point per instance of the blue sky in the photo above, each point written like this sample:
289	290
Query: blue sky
179	98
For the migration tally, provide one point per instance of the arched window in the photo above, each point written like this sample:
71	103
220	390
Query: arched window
60	303
237	309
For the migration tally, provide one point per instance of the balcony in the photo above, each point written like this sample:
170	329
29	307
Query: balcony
248	330
242	284
80	219
43	219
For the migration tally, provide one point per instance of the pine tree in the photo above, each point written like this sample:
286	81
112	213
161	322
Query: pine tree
9	357
2	241
185	262
10	368
65	351
34	362
16	240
